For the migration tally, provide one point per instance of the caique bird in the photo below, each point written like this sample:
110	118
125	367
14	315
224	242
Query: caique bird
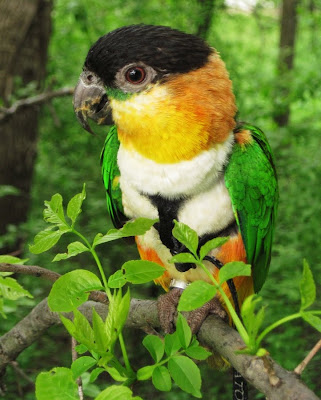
175	152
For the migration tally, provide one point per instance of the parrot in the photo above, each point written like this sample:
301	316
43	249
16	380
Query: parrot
175	152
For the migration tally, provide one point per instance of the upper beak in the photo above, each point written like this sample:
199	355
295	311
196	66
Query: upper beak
90	101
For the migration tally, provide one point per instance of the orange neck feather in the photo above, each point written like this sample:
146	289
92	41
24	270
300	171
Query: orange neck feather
178	119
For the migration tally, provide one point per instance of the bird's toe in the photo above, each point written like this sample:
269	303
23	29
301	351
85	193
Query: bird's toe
167	309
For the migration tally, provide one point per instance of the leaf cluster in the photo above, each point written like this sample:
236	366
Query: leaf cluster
10	289
173	355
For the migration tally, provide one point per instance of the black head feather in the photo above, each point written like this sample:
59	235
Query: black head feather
166	50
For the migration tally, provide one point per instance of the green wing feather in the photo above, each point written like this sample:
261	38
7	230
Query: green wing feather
251	180
111	174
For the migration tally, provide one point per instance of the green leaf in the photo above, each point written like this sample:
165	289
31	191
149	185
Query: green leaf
6	259
74	205
95	373
313	320
140	271
183	258
155	346
116	392
172	343
186	235
233	269
185	374
195	295
101	338
117	280
145	373
117	315
8	190
212	244
184	331
4	274
45	240
161	379
72	289
69	325
262	352
81	349
137	227
104	360
56	384
12	290
81	365
3	315
252	321
197	352
132	228
307	287
54	212
83	331
90	390
123	309
115	374
73	249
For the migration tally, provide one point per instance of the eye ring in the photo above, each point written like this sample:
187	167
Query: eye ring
135	75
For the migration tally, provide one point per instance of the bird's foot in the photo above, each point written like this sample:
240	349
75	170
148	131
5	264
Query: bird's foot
167	309
196	317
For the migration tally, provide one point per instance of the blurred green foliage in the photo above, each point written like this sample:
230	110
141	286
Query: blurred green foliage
67	157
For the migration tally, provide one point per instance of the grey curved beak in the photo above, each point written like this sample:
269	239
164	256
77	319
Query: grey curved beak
90	101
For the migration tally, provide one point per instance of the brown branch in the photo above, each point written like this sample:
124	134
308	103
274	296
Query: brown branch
300	368
34	100
45	273
33	270
263	373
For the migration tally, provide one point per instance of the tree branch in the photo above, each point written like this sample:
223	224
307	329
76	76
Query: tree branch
263	373
45	273
34	100
33	270
300	368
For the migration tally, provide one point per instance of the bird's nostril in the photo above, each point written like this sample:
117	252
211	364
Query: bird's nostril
90	78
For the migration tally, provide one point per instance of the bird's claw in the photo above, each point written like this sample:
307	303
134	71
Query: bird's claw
196	317
167	308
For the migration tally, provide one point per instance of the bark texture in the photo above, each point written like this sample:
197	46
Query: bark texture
288	28
263	373
25	30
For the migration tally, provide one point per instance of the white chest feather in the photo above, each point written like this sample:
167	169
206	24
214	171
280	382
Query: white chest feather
200	182
173	180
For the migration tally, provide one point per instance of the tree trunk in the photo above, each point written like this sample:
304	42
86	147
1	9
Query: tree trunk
285	62
25	28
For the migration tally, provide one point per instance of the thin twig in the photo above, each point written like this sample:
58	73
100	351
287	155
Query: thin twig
34	100
74	357
300	368
19	371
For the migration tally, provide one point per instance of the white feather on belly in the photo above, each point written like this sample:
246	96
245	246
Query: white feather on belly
173	180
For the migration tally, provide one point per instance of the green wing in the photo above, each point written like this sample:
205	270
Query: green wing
111	174
251	180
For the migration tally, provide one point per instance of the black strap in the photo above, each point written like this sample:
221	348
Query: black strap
240	389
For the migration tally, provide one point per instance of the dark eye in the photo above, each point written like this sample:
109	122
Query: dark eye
135	75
